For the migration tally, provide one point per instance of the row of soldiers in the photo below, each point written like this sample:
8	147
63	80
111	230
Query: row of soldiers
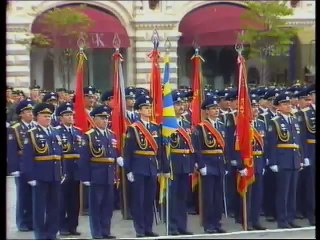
49	157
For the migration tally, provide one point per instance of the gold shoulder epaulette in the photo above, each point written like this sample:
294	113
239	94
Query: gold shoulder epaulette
154	122
58	127
110	131
306	109
32	129
90	131
260	120
15	125
77	128
274	118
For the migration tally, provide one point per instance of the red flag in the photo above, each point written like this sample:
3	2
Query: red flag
196	102
244	131
155	86
197	89
79	109
118	114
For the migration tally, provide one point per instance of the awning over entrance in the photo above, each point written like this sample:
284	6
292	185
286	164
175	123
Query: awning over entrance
216	24
100	34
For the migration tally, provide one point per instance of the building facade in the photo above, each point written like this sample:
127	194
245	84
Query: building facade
172	19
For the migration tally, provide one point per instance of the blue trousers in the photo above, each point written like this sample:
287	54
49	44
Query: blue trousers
256	199
310	192
69	205
286	196
212	198
143	195
269	189
23	203
100	208
178	196
231	193
46	209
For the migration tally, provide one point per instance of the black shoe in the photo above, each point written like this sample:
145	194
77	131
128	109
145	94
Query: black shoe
299	216
270	219
258	227
174	233
64	233
139	235
293	225
109	236
74	232
151	234
283	226
184	232
97	237
210	231
24	229
220	230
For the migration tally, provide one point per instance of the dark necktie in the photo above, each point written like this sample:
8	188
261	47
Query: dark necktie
180	123
48	132
70	131
289	120
105	133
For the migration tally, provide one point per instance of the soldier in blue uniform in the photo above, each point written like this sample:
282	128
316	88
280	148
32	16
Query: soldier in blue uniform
71	139
284	140
269	182
256	189
42	166
106	98
142	155
182	162
97	170
224	105
52	98
16	135
131	114
307	121
209	149
232	156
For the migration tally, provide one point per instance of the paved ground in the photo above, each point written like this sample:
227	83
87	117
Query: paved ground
124	228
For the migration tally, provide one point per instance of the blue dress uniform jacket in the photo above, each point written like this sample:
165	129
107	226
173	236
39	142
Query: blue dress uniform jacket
16	135
255	191
55	120
307	120
97	166
42	154
269	201
141	159
182	159
69	201
233	199
210	153
284	140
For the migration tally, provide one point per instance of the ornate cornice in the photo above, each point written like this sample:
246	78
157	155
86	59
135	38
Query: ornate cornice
144	25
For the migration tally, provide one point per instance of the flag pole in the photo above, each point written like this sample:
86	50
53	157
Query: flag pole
239	48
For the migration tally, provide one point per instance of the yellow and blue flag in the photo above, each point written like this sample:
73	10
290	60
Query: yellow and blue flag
169	120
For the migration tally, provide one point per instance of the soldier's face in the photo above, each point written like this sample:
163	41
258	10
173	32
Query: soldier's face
179	108
44	119
145	111
213	112
54	103
27	115
304	102
224	104
130	102
101	122
284	107
9	93
67	119
255	110
234	104
89	101
263	103
294	101
35	94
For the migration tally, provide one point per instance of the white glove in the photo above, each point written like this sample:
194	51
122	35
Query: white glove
130	177
226	172
86	183
167	175
16	174
196	165
233	163
243	172
203	171
274	168
120	161
267	161
33	183
263	171
306	162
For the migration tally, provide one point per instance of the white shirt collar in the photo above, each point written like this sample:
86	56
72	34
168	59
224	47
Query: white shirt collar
213	121
314	106
45	129
27	124
67	127
102	131
286	117
145	123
